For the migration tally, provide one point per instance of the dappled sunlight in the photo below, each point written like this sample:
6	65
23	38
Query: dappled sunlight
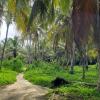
51	44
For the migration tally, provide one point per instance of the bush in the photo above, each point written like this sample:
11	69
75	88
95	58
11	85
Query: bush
6	64
14	64
42	73
7	77
44	65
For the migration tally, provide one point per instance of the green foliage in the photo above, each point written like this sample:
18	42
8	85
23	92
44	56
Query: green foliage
65	5
43	73
44	65
6	63
14	64
76	89
7	77
79	91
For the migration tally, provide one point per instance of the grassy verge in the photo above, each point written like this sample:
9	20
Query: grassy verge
44	74
7	77
76	92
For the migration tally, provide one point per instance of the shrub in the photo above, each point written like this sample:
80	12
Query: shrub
42	73
16	65
7	77
6	64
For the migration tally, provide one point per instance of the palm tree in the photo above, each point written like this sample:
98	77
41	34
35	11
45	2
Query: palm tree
97	36
46	9
2	3
1	11
13	45
8	21
86	13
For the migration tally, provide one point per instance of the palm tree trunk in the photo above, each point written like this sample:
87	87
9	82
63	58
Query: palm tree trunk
98	84
15	53
30	52
2	56
97	39
83	76
72	59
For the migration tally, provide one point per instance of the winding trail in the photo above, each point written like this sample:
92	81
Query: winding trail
23	90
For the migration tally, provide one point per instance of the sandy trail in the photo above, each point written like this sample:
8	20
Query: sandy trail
23	90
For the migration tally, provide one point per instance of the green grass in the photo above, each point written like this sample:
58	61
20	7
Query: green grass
78	91
45	73
7	77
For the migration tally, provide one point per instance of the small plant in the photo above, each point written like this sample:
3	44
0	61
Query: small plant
16	65
6	64
7	77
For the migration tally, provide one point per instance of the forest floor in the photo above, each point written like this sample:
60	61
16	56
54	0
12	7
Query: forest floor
22	90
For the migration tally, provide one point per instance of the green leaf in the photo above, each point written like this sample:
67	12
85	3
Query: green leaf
65	5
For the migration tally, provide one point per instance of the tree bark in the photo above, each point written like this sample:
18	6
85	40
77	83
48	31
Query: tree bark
2	56
15	53
30	52
97	38
72	59
98	84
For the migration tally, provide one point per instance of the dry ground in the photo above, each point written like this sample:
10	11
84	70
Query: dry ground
23	90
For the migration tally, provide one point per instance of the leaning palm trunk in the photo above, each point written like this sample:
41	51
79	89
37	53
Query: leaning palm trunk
97	37
81	22
85	14
98	84
98	31
96	26
2	56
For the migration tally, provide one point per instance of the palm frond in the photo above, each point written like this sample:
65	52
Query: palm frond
38	7
1	10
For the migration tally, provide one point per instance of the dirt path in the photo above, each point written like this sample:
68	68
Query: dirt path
23	90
